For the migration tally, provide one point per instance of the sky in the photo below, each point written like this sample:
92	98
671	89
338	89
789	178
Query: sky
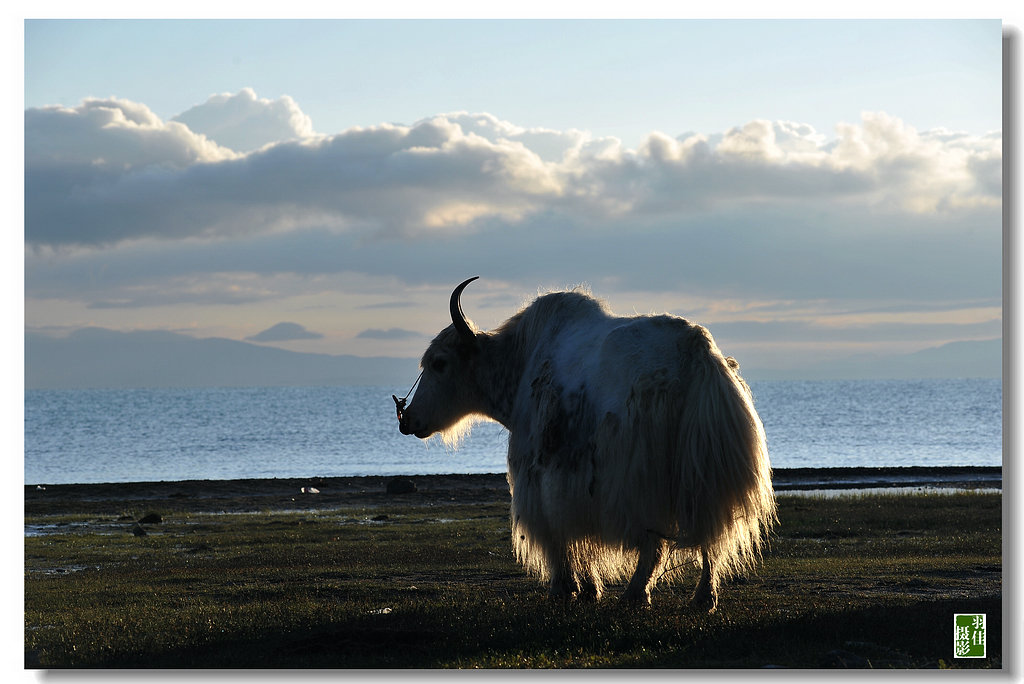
808	190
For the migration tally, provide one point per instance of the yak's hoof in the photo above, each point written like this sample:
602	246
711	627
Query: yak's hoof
635	599
590	591
561	592
704	602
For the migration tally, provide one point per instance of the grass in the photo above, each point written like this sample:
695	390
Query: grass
856	581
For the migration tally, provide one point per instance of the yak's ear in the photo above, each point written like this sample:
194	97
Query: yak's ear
458	318
468	348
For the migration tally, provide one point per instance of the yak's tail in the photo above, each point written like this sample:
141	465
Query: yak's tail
725	501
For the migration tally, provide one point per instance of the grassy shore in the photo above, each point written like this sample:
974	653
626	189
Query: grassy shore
429	581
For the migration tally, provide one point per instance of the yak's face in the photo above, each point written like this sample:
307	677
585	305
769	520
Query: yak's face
447	392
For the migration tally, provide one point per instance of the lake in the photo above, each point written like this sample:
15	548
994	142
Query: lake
91	436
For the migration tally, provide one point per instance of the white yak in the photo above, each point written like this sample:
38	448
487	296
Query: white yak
633	443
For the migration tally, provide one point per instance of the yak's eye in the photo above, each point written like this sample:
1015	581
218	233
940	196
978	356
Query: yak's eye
438	365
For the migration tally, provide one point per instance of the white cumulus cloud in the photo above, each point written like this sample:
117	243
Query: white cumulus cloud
112	134
245	122
110	171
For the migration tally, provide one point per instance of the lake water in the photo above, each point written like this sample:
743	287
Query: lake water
88	436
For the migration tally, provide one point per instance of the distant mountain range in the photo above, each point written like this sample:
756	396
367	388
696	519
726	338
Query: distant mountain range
97	357
974	359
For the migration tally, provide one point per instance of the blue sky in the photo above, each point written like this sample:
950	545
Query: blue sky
617	78
809	190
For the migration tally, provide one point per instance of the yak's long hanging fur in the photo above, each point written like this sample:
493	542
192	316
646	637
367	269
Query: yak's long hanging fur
672	445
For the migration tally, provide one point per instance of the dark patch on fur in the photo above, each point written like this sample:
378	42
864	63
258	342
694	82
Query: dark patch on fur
567	436
552	439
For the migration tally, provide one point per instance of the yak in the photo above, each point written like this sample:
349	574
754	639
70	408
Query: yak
633	442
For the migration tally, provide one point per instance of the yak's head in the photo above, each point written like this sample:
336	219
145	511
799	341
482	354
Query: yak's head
447	397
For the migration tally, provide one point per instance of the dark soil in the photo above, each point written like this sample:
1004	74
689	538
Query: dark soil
334	492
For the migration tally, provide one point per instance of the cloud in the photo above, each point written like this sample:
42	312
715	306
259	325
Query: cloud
881	163
110	171
385	180
245	122
548	144
921	172
125	211
757	251
111	157
810	331
112	135
389	334
283	332
403	304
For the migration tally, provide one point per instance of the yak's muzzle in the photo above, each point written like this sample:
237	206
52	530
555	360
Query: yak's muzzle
406	429
405	425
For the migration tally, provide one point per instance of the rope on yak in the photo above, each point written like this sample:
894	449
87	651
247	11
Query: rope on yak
400	403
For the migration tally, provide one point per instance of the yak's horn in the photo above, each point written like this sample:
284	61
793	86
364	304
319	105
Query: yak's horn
459	318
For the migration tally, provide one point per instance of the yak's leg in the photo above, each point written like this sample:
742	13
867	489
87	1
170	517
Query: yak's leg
652	552
705	597
563	582
591	586
568	580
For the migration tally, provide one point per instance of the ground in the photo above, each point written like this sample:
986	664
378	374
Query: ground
260	574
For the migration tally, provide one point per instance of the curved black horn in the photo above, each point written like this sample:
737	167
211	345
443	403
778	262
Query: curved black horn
459	318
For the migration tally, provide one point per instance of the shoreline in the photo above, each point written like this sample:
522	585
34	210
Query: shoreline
370	490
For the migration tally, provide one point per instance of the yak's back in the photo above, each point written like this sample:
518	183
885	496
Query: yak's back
585	350
646	350
551	314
